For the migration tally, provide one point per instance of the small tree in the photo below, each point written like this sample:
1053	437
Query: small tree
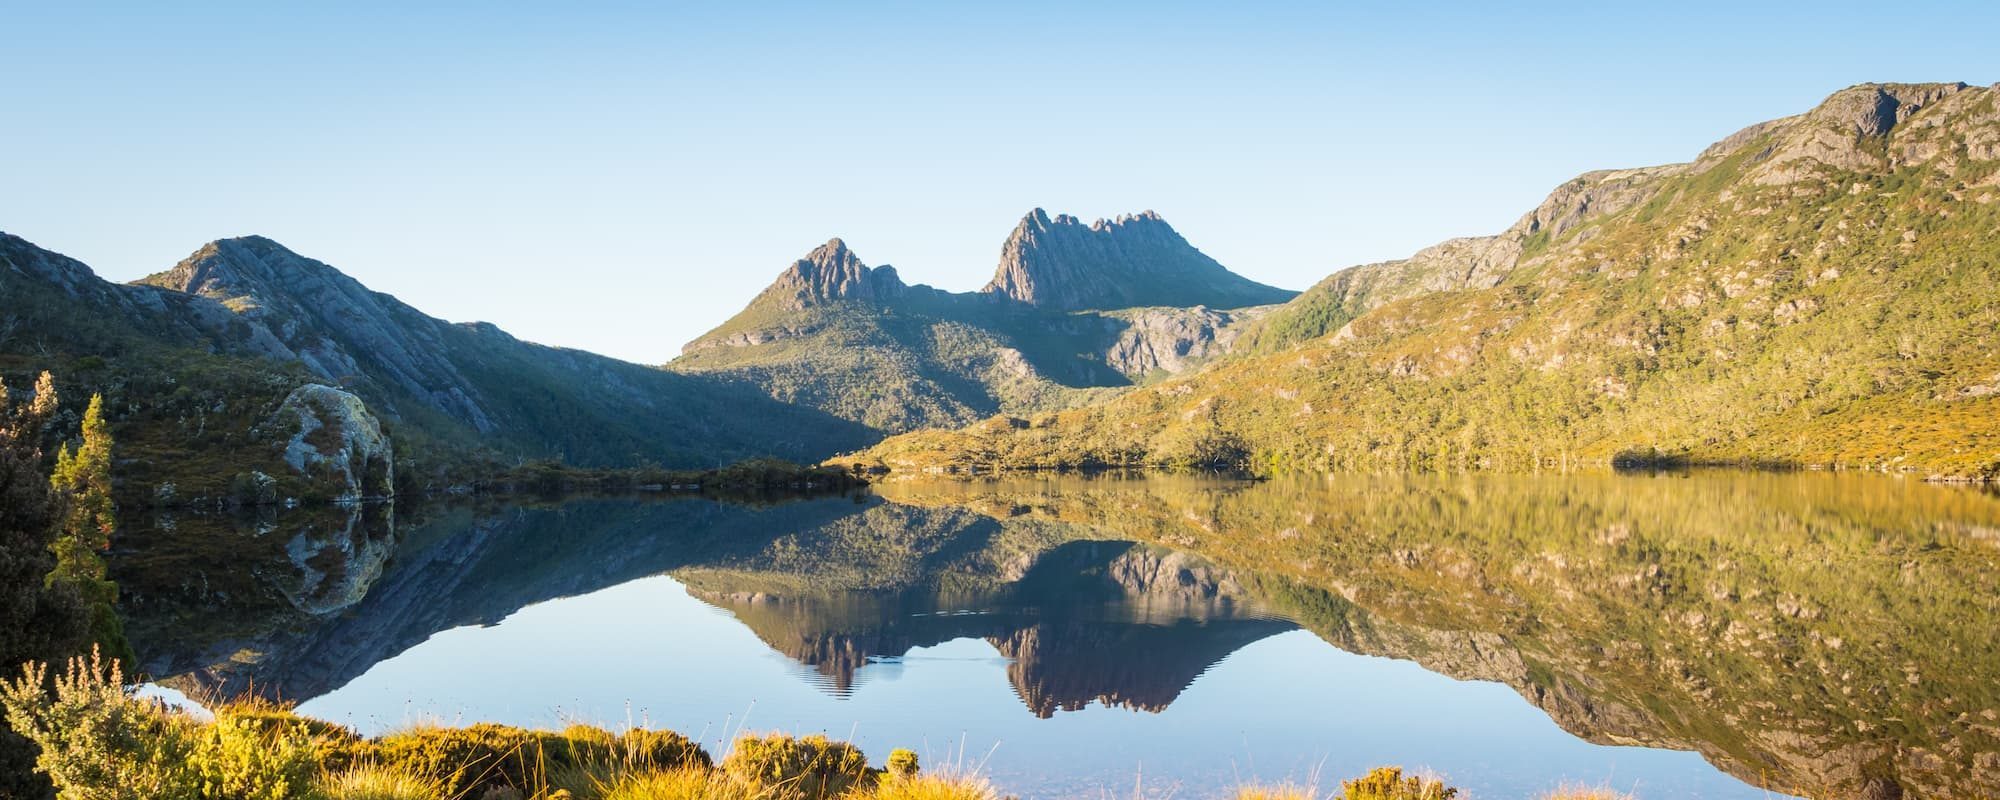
82	482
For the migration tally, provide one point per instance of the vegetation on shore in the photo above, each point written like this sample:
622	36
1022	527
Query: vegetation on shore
753	478
100	742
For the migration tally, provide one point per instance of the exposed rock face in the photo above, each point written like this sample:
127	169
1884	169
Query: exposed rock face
832	272
335	326
1131	261
1169	340
332	436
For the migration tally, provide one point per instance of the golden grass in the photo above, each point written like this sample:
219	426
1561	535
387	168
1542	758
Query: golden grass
936	786
379	783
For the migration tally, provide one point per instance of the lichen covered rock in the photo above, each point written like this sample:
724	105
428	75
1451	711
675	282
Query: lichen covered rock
330	437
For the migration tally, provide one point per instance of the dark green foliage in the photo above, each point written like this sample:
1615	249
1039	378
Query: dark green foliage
38	621
802	767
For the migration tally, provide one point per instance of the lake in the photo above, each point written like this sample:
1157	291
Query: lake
1675	635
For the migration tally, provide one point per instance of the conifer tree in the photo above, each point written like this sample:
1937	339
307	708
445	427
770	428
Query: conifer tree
82	482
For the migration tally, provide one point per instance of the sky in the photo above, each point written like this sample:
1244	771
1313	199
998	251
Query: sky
622	177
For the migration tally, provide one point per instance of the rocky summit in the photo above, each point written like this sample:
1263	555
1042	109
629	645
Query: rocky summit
1085	312
1135	260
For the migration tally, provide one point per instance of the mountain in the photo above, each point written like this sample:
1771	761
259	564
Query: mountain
1134	260
1075	313
1819	289
233	344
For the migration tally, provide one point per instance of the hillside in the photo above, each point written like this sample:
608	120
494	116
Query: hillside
1054	330
198	363
1819	289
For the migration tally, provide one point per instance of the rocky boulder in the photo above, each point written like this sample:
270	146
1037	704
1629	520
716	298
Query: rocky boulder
330	437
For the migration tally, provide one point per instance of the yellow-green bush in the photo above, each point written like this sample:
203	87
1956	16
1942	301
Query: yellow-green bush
473	760
1389	783
808	767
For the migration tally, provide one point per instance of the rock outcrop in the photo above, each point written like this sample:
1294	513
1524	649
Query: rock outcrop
831	272
329	435
1131	261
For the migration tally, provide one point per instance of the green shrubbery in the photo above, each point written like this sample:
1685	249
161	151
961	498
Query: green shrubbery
807	767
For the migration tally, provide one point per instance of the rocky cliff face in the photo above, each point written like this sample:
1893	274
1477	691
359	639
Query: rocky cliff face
1131	261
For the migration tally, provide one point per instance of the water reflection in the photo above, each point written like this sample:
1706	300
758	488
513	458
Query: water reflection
1800	632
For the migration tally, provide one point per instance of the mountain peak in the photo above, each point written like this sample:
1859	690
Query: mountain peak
1873	109
832	272
1123	262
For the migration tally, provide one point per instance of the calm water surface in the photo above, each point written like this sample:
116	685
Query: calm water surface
1705	635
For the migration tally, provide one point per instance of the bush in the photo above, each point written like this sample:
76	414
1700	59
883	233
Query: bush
97	742
334	747
250	759
903	763
667	750
1388	783
808	767
474	760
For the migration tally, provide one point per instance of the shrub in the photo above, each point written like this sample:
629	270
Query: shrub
96	741
379	783
253	759
903	763
641	748
473	760
1388	783
808	767
334	747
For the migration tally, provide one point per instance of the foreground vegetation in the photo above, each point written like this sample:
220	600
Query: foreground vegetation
99	742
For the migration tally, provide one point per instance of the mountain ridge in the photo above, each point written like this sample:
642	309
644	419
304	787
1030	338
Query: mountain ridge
1807	291
856	341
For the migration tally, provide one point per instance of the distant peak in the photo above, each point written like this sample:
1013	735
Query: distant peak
829	272
1122	262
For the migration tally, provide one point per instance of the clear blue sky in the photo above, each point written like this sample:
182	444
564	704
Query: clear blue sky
621	177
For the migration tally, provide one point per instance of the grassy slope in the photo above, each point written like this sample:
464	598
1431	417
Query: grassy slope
1845	318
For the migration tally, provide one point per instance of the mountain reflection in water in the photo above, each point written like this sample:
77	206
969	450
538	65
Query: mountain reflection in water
1801	633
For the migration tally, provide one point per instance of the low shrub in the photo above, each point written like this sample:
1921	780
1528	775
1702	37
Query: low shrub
804	767
477	759
1389	783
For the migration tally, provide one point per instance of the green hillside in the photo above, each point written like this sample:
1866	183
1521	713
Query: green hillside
1816	290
